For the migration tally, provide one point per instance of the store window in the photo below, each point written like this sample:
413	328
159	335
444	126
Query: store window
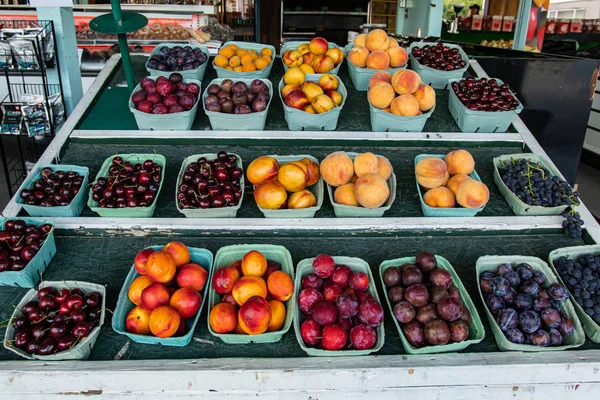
571	13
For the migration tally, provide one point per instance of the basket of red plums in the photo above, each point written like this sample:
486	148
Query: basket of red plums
60	321
438	63
160	103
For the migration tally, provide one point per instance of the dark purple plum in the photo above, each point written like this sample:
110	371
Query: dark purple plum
529	321
449	309
500	286
392	276
523	302
485	283
558	292
530	287
411	275
555	337
437	293
404	312
513	278
509	297
567	327
507	319
494	303
426	261
515	336
541	338
504	268
396	294
538	278
550	317
540	304
525	272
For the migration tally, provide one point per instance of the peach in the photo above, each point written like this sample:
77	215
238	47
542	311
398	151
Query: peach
381	76
354	179
405	105
406	81
336	54
155	295
460	162
472	194
381	95
323	64
440	197
224	279
377	39
292	58
186	301
329	82
378	60
345	195
138	321
398	57
426	97
137	286
360	40
254	316
287	89
322	103
223	318
271	195
365	164
294	76
318	46
385	167
336	97
313	171
192	275
280	286
140	260
249	286
161	267
277	315
262	169
302	199
454	182
303	48
307	69
431	172
393	43
179	252
311	90
358	56
296	99
309	59
309	109
254	263
164	321
371	191
337	169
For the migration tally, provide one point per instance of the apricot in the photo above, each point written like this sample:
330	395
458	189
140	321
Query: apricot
378	60
472	194
224	279
140	260
296	99
287	89
164	321
138	321
270	195
377	39
266	52
262	63
371	191
322	103
192	275
262	169
358	56
186	301
248	286
311	90
313	171
154	296
454	182
248	67
385	167
336	97
294	76
405	105
137	286
308	59
307	69
302	199
277	315
323	64
235	61
161	267
398	57
337	169
254	316
380	76
440	197
318	46
460	162
360	40
381	95
179	252
431	172
254	263
345	195
337	55
426	97
280	286
365	164
329	82
221	61
226	52
406	81
291	58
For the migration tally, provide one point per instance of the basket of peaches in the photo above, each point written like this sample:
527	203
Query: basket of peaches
161	299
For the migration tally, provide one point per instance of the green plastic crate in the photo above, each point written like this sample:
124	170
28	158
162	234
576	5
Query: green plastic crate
83	348
433	77
491	263
254	121
382	121
136	212
520	207
476	329
357	265
228	254
294	46
223	212
360	76
342	210
589	326
457	211
196	73
317	189
262	74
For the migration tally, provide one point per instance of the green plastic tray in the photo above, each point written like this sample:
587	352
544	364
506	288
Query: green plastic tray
294	46
491	263
316	189
137	212
262	74
223	212
457	211
435	78
82	350
357	265
519	207
228	254
589	326
196	73
360	76
476	329
342	210
382	121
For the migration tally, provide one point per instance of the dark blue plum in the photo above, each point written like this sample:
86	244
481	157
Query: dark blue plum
555	337
529	321
513	278
558	292
550	317
525	272
500	286
541	338
540	304
504	268
523	302
509	297
494	303
567	327
515	336
507	319
530	287
538	278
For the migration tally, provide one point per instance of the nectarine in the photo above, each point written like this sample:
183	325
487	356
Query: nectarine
186	301
138	321
140	260
179	252
254	316
248	286
192	275
223	318
164	321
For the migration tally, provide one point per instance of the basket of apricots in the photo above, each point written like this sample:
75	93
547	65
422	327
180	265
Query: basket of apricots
316	57
449	186
359	185
372	52
162	297
399	102
311	102
287	186
244	60
251	298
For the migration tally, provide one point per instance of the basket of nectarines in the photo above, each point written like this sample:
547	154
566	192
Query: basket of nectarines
244	60
162	297
449	186
251	298
438	63
316	57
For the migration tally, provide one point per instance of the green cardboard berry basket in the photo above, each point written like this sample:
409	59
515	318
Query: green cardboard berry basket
294	46
254	121
29	276
83	348
382	121
518	206
74	208
124	305
434	77
228	254
223	212
317	189
342	210
357	265
361	76
196	73
590	327
491	263
136	212
476	329
262	74
300	120
457	211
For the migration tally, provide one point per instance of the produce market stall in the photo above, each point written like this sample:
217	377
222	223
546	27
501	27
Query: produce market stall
102	249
